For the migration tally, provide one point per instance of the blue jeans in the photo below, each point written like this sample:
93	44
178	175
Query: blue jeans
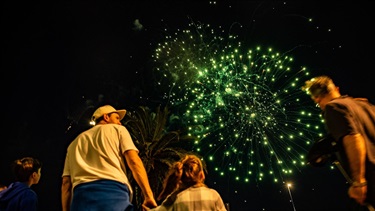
101	195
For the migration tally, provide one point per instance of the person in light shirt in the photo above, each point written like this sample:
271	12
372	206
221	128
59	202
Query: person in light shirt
184	189
94	175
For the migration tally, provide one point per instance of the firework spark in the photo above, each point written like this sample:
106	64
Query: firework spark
245	106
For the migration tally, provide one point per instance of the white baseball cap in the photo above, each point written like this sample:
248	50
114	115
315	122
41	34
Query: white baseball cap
107	109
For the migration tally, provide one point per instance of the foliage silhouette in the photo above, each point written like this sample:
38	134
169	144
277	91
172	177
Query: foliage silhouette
158	148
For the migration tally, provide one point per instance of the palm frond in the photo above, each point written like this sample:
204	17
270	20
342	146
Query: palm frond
158	148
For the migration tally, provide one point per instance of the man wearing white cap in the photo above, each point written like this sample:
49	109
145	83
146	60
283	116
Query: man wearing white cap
94	175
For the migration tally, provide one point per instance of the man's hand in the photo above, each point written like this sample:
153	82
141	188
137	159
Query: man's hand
358	193
148	203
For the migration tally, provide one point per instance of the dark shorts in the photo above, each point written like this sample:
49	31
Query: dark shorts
101	195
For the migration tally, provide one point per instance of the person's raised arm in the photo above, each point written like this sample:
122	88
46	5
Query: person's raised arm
355	149
140	175
66	193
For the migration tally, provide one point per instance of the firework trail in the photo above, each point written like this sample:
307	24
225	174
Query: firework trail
245	105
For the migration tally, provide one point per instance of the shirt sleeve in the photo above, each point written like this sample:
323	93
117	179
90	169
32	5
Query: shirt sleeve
66	170
126	142
220	206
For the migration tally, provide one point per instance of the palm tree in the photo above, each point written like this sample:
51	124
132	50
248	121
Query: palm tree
158	148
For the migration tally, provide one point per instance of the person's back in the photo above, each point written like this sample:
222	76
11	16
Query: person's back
184	188
18	196
94	175
197	199
97	157
362	113
351	124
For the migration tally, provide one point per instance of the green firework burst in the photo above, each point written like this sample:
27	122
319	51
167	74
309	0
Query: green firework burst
245	106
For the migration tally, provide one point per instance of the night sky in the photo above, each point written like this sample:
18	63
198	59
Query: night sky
60	59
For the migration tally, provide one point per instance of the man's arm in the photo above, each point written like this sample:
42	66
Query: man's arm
66	193
355	149
140	175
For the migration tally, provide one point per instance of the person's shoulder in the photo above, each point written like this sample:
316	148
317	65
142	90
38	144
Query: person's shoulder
349	101
205	189
117	127
111	125
30	194
18	185
213	191
340	101
22	190
342	98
